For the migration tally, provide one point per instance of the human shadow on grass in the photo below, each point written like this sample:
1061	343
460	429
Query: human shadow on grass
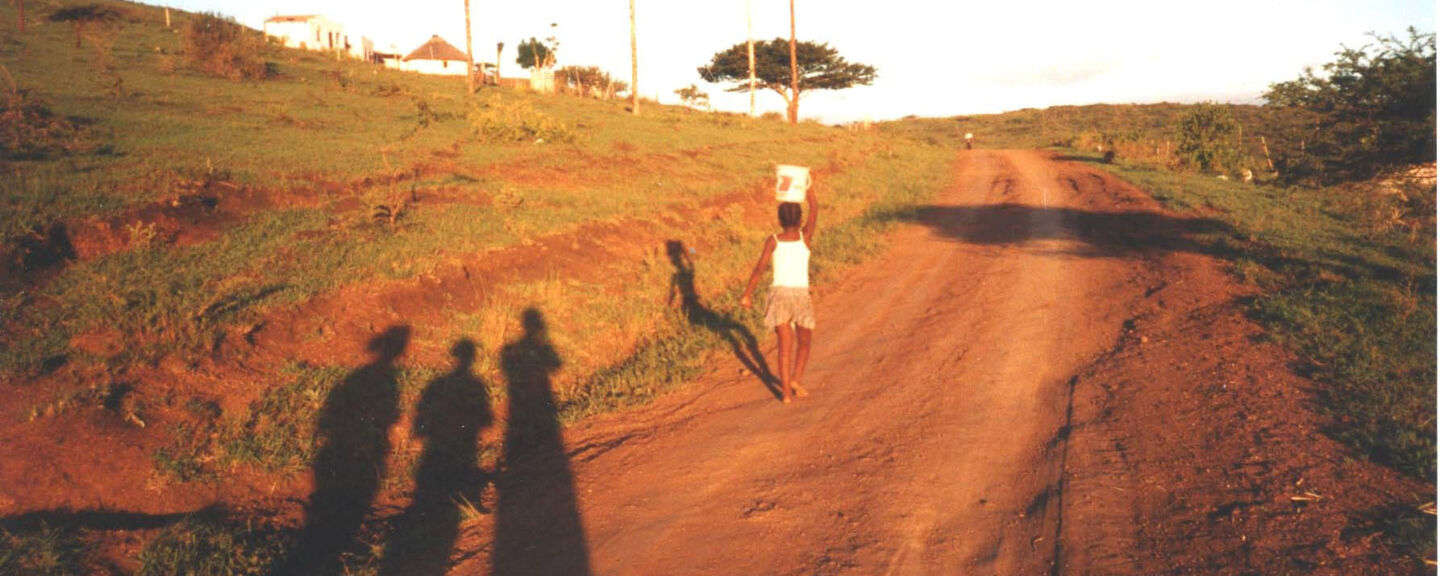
537	519
452	411
354	443
742	342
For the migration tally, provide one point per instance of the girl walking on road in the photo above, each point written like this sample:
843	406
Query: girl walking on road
788	309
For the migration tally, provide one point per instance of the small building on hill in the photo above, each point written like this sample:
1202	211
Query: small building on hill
435	56
315	32
306	32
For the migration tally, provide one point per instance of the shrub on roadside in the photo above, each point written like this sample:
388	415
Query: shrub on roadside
1373	109
220	46
1205	139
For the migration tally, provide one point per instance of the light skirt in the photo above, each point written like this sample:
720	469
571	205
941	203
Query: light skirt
789	305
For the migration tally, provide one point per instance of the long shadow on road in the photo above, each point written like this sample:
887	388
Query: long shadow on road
452	411
353	432
537	524
1100	234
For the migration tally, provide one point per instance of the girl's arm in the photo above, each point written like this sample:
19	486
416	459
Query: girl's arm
765	254
810	218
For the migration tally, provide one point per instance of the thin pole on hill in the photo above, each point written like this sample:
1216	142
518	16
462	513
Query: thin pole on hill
499	47
469	54
634	66
794	72
750	45
167	17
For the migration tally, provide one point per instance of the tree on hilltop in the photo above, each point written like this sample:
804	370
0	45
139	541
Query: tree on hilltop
86	16
821	68
536	54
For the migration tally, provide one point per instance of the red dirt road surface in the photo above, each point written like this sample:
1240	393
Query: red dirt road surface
963	419
939	387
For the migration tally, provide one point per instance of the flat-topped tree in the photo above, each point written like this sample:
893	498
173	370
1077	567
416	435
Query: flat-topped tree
821	68
85	16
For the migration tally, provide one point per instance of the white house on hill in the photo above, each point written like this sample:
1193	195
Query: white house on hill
314	32
435	56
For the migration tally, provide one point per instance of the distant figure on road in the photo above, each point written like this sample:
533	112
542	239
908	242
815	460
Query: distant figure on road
788	309
969	140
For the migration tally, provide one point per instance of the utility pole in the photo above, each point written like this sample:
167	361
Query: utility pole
634	66
750	42
794	72
469	54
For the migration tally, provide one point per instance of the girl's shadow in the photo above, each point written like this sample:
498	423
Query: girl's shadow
742	342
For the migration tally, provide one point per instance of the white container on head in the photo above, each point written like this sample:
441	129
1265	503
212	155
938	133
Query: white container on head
791	182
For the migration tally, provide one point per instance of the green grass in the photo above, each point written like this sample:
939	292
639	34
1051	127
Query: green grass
209	544
304	128
45	552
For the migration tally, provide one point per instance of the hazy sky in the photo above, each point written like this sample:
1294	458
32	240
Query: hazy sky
935	58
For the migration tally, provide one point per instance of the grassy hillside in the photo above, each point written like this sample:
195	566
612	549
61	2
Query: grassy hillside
199	262
325	145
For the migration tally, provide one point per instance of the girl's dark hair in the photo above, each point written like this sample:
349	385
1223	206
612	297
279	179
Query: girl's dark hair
789	214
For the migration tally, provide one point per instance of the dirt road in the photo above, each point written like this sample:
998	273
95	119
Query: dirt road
934	439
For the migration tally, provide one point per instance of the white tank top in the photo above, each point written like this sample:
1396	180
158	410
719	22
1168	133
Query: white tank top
792	263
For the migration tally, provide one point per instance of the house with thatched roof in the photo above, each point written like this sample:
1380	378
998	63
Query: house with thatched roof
435	56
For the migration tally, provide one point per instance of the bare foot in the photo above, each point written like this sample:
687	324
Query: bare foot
799	392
